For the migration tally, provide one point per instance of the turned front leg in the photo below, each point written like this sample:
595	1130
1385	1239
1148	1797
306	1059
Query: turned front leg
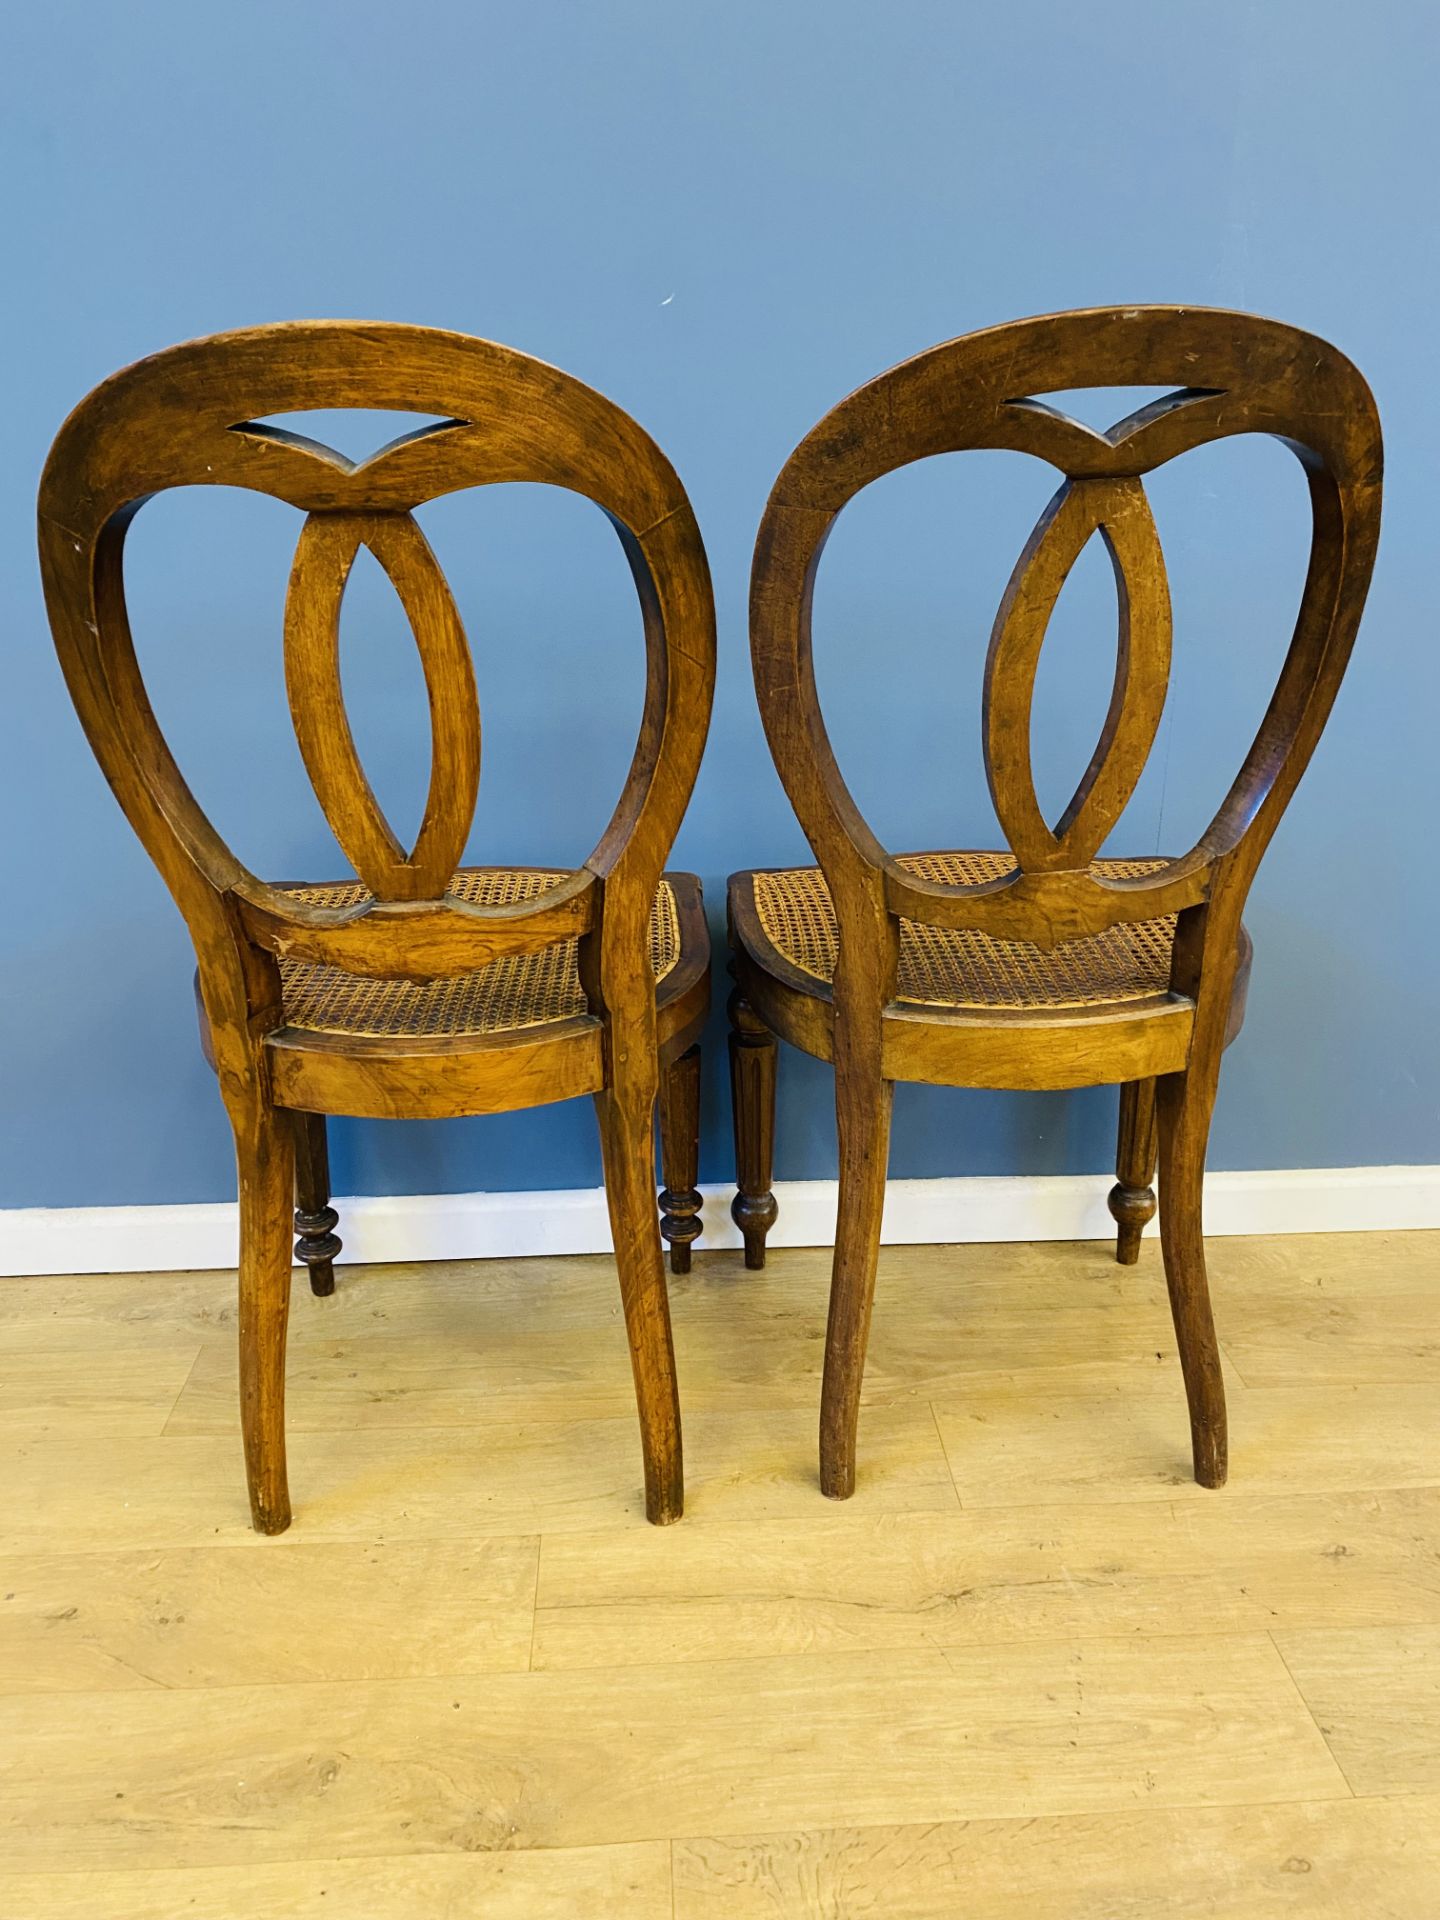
752	1093
1132	1198
680	1199
315	1219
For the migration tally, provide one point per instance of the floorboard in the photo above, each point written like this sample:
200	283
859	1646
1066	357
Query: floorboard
1030	1669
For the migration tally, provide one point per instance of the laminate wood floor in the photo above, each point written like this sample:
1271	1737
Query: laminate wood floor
1029	1670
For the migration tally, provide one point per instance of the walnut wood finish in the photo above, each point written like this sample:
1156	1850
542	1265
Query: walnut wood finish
1233	374
1132	1198
753	1064
193	416
317	1244
680	1198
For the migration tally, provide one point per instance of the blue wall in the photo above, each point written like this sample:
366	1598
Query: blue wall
725	217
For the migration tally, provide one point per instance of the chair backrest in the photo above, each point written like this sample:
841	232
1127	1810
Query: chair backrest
192	416
1234	373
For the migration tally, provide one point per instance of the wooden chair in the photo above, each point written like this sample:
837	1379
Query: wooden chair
1043	965
418	988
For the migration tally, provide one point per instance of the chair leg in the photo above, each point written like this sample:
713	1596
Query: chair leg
680	1156
265	1156
753	1054
315	1218
862	1109
1132	1198
1184	1126
627	1143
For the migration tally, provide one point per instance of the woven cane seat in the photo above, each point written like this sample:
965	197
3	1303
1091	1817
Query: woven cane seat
518	990
967	969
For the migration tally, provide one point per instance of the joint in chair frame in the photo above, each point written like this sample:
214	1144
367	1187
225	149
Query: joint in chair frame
1041	965
420	988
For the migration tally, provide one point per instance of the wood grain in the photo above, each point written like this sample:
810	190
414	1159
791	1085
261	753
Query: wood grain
1006	1447
1132	1199
241	1774
1234	373
1119	511
450	1482
99	1313
951	1291
753	1065
968	1579
608	1883
680	1197
196	415
225	1616
1332	1860
129	1392
1375	1695
492	1373
328	546
1369	1332
316	1244
1035	1703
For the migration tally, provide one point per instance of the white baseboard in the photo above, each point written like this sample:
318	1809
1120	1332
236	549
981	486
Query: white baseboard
478	1226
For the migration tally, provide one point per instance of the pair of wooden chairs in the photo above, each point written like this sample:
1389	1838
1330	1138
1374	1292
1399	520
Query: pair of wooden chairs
424	988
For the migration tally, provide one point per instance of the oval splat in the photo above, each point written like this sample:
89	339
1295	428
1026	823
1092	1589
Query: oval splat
1118	510
324	557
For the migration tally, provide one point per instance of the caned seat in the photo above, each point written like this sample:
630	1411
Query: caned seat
786	919
421	989
516	991
1042	965
968	1002
509	997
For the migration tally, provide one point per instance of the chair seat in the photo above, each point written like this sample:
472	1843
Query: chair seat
971	1010
964	969
357	1045
515	1001
517	991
